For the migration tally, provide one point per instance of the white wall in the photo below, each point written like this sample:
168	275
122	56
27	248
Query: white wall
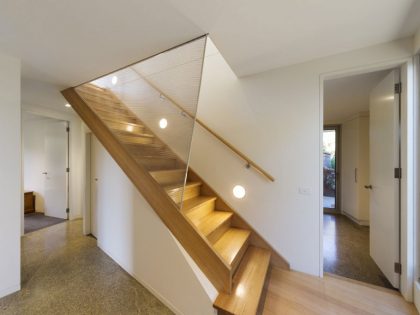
11	194
355	155
133	235
44	99
417	41
275	118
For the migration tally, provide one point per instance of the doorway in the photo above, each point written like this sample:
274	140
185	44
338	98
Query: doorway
361	235
46	171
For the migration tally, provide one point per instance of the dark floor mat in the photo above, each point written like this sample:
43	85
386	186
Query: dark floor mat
37	221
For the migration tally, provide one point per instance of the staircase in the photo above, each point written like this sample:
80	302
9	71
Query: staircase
233	256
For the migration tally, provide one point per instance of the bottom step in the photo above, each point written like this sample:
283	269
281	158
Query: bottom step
248	284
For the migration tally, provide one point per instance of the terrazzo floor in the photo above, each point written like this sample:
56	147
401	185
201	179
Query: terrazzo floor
346	251
64	272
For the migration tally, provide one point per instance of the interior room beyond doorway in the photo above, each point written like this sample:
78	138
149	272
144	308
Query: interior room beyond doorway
45	171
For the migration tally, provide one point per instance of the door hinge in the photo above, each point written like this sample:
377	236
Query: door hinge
68	129
398	88
397	268
68	169
397	172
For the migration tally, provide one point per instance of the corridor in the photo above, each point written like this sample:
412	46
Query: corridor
64	272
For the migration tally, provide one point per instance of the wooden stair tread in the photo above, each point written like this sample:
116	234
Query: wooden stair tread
212	221
232	245
193	203
248	284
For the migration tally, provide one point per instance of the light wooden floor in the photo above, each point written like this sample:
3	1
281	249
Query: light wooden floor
294	293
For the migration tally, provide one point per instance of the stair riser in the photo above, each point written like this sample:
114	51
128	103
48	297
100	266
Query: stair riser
135	140
218	232
111	111
238	258
118	126
149	151
197	214
115	117
102	102
157	164
169	177
189	192
95	95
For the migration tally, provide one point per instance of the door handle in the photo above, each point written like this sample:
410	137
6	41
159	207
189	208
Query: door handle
45	173
368	186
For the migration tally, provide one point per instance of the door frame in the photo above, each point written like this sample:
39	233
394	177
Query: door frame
87	204
67	157
337	129
408	139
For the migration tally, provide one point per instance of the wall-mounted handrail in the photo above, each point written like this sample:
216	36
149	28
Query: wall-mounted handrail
249	162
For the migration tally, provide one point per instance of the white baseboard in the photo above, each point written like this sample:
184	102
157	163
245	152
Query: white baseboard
357	221
159	296
9	290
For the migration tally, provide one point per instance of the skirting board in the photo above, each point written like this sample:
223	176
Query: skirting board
9	290
359	222
143	283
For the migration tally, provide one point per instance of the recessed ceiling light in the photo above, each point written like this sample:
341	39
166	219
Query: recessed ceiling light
114	80
239	192
68	105
163	123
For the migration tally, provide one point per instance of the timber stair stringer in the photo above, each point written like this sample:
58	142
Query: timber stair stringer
239	257
197	246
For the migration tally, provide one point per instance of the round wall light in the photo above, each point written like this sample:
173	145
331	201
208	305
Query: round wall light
114	80
163	123
68	105
239	191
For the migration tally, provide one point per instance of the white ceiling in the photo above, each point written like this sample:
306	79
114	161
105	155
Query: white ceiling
346	97
254	36
70	42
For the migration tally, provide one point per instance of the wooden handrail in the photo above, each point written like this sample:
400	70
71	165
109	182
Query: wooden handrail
249	162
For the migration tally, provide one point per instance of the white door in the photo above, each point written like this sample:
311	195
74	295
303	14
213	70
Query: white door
56	146
384	191
94	147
